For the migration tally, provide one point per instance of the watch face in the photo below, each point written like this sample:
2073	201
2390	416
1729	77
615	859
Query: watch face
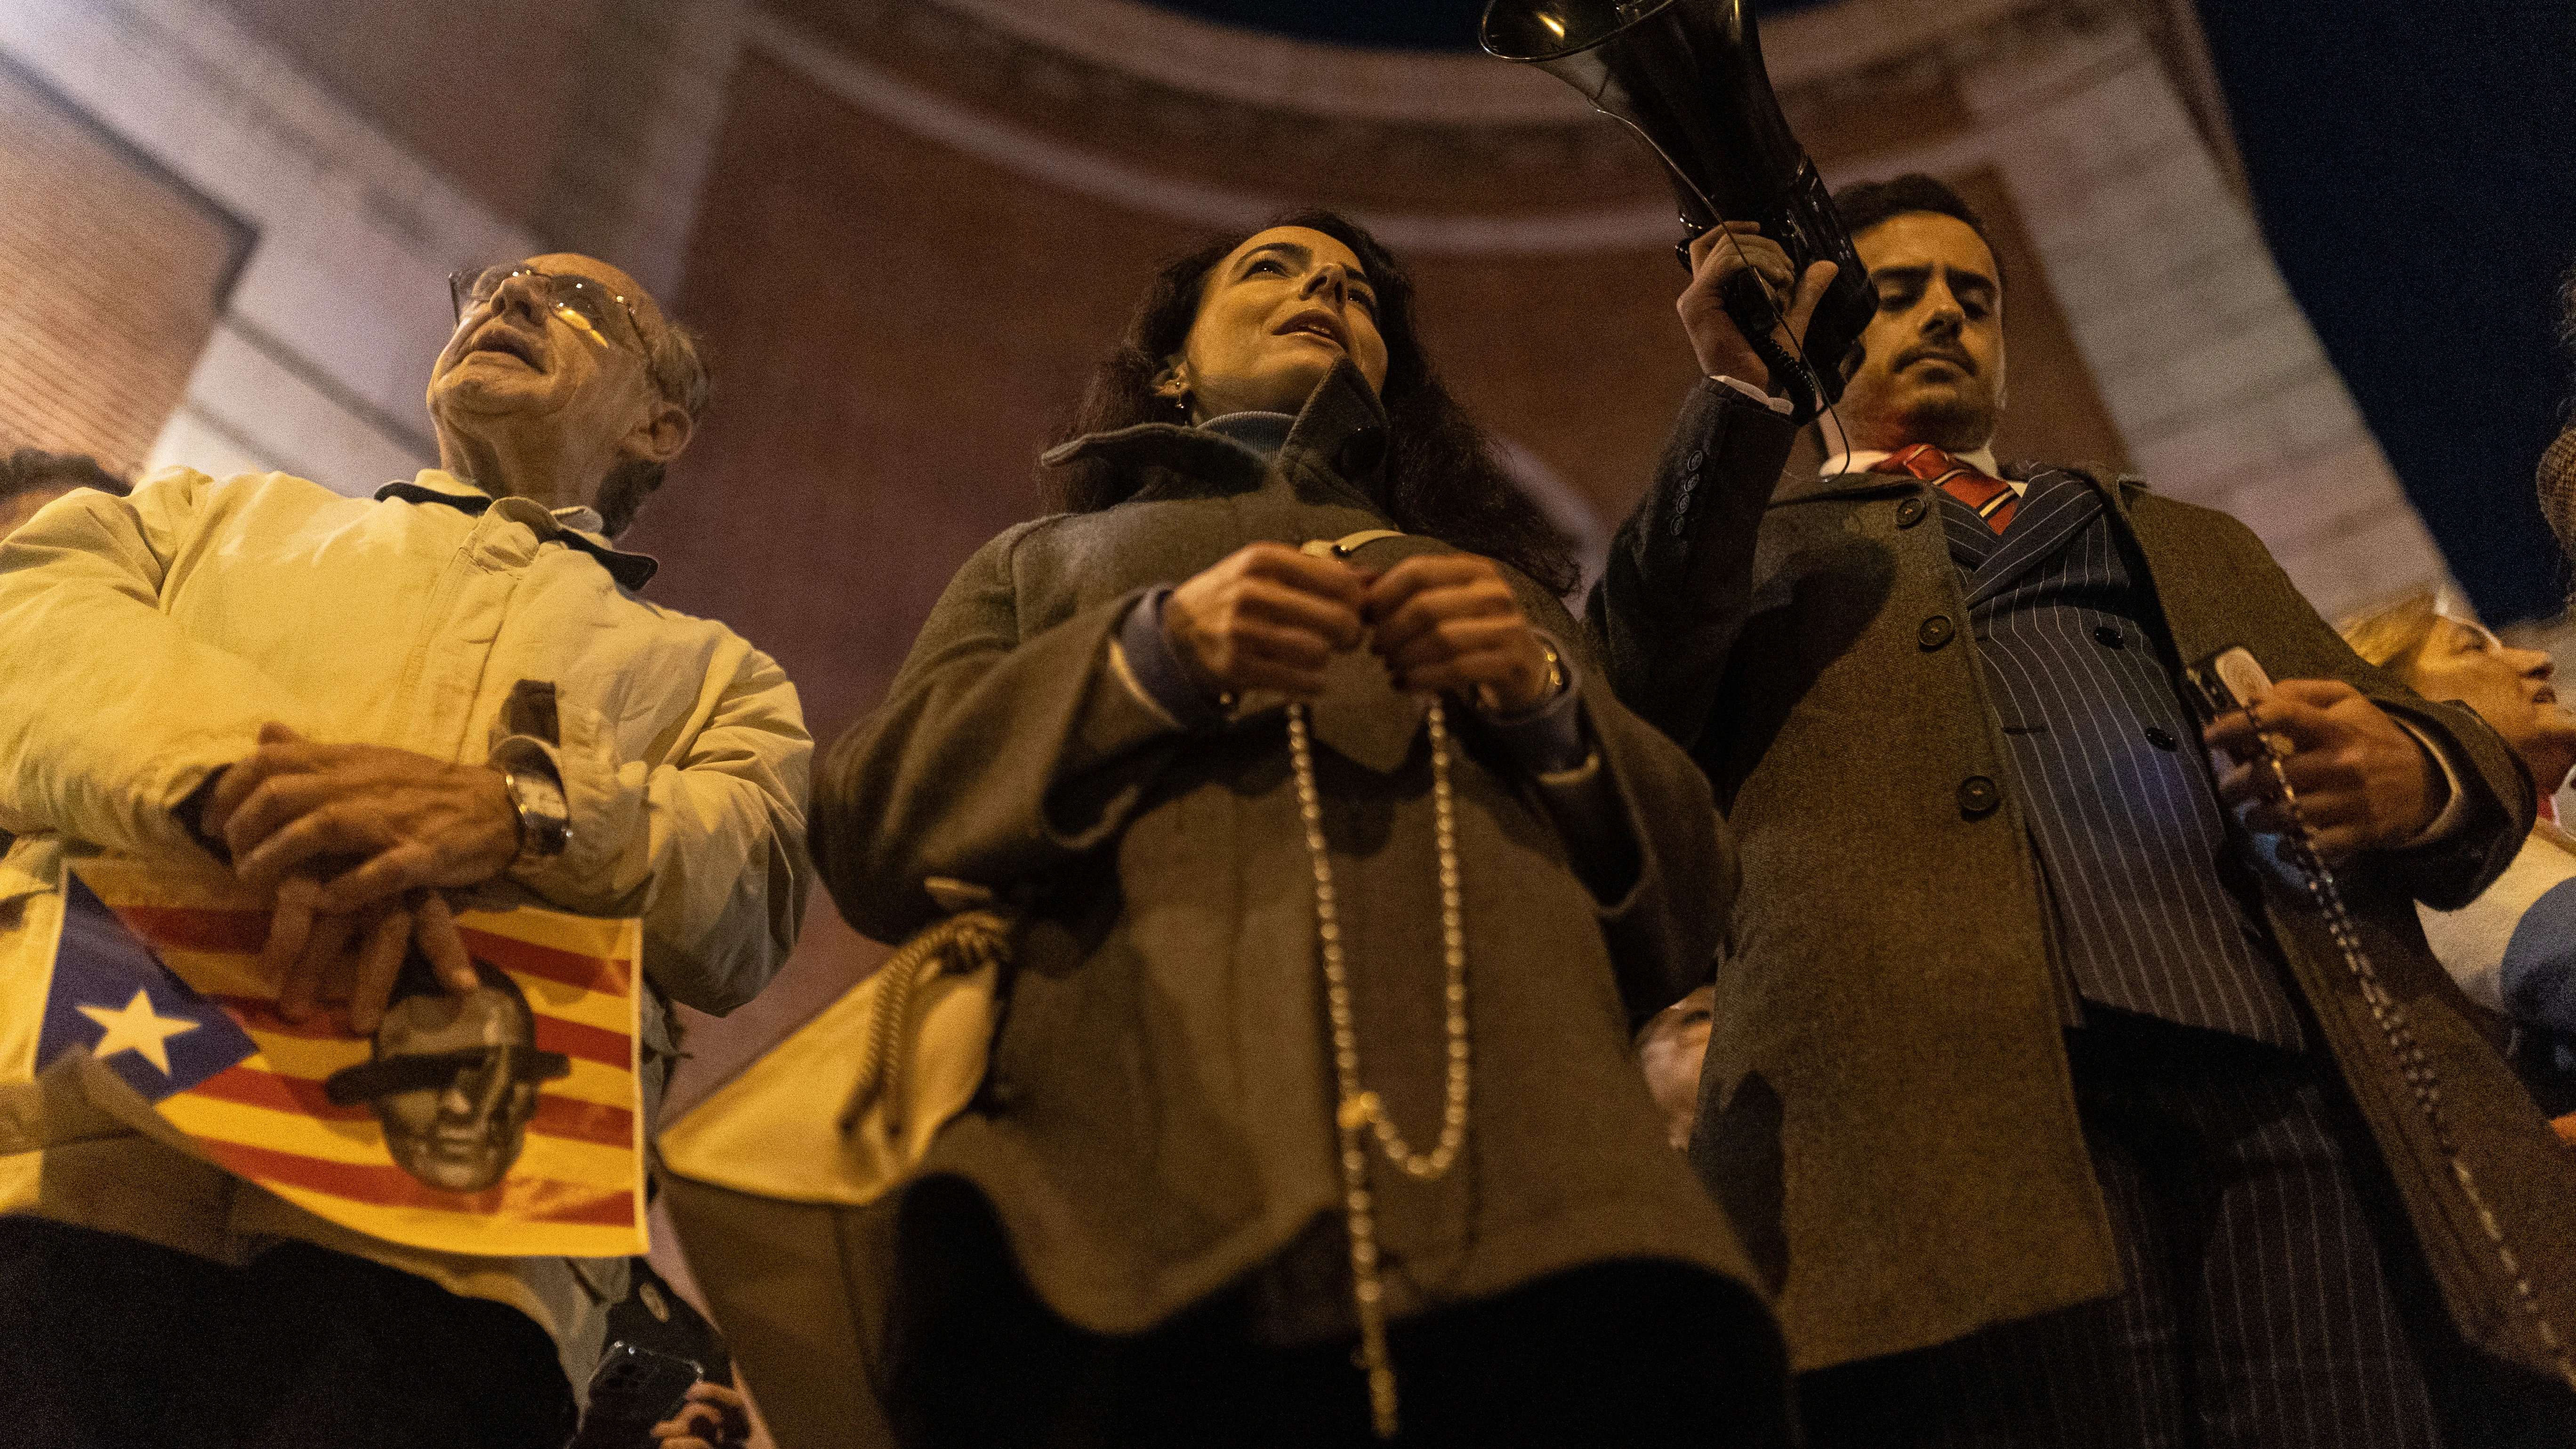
544	819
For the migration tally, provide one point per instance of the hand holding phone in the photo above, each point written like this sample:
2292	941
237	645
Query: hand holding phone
632	1390
2361	780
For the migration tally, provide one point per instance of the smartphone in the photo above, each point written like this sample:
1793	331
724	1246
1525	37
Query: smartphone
633	1390
2227	681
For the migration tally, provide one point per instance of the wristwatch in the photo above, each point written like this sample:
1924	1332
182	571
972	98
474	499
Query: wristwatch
545	819
1487	699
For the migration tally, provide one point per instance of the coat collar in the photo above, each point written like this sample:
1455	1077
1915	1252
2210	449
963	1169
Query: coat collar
576	526
1335	452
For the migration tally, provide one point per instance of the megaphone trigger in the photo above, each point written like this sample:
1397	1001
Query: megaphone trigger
1756	311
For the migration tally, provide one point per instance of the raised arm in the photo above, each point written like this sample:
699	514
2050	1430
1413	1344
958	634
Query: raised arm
1669	605
1679	582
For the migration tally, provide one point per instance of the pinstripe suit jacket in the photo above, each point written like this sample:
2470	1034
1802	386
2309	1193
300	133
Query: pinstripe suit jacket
2123	815
1887	1109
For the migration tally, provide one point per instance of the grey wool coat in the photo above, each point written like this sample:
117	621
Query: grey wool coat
1158	1122
1888	1076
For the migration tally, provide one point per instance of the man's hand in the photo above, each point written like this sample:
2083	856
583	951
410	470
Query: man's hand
1266	617
1447	623
1714	337
2363	782
321	959
713	1417
406	821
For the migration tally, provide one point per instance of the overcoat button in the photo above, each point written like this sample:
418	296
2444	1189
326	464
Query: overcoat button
1909	513
2109	637
1697	457
1978	795
2160	737
1360	455
1936	631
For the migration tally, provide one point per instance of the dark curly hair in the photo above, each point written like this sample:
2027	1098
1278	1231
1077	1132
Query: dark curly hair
1442	479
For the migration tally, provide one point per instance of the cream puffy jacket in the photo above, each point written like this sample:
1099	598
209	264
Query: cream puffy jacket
148	638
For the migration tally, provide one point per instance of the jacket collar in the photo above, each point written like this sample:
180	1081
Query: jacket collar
1336	451
577	526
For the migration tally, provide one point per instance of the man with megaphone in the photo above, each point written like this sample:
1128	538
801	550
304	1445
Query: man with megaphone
2057	1115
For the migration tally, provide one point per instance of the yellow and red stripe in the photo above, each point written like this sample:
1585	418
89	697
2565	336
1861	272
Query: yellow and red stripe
577	1189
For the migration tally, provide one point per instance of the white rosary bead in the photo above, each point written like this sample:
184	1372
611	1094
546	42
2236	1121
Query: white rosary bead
2413	1065
1357	1104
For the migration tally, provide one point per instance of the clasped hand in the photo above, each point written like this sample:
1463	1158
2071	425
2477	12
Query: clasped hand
357	841
2363	782
1270	617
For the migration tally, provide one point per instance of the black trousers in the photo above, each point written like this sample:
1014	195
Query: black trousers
2275	1297
113	1343
1618	1355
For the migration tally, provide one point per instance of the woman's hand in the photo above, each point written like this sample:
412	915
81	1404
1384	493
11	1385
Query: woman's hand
1715	339
1447	624
1267	617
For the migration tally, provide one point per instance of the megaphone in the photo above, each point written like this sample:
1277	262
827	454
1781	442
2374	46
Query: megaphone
1686	77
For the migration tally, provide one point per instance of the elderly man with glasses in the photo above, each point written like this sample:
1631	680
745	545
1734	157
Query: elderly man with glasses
369	704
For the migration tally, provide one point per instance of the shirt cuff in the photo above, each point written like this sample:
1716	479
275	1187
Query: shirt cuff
1780	405
1547	740
1142	657
2453	803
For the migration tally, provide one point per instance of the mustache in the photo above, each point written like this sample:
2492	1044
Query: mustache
1933	351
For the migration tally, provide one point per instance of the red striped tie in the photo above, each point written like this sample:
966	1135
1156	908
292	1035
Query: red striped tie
1993	498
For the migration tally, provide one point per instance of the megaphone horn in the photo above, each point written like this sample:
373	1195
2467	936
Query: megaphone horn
1686	78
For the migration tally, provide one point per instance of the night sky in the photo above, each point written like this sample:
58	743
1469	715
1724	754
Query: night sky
2414	167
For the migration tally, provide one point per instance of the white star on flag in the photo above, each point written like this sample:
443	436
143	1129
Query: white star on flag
138	1029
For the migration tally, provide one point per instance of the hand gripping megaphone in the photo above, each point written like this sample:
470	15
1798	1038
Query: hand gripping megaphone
1686	77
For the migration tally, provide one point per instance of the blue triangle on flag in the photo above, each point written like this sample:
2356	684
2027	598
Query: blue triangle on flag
110	990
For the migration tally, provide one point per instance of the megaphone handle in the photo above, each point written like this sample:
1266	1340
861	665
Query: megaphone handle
1755	314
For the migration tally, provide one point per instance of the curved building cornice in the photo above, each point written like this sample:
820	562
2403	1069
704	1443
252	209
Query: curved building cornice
1825	46
1042	157
1272	72
1440	153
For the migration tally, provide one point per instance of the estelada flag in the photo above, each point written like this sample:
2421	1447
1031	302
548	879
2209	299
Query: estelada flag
157	975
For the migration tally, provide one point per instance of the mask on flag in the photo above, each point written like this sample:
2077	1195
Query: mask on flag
505	1121
453	1080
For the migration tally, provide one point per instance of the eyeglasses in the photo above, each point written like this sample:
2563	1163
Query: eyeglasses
579	300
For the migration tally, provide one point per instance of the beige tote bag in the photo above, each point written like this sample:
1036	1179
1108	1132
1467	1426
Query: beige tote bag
767	1179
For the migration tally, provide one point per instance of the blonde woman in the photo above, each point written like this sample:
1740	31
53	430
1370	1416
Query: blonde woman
2513	949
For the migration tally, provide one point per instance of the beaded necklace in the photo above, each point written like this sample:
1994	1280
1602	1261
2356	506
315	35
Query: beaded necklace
1360	1108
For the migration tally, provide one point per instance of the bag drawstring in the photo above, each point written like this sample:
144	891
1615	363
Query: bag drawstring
966	942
